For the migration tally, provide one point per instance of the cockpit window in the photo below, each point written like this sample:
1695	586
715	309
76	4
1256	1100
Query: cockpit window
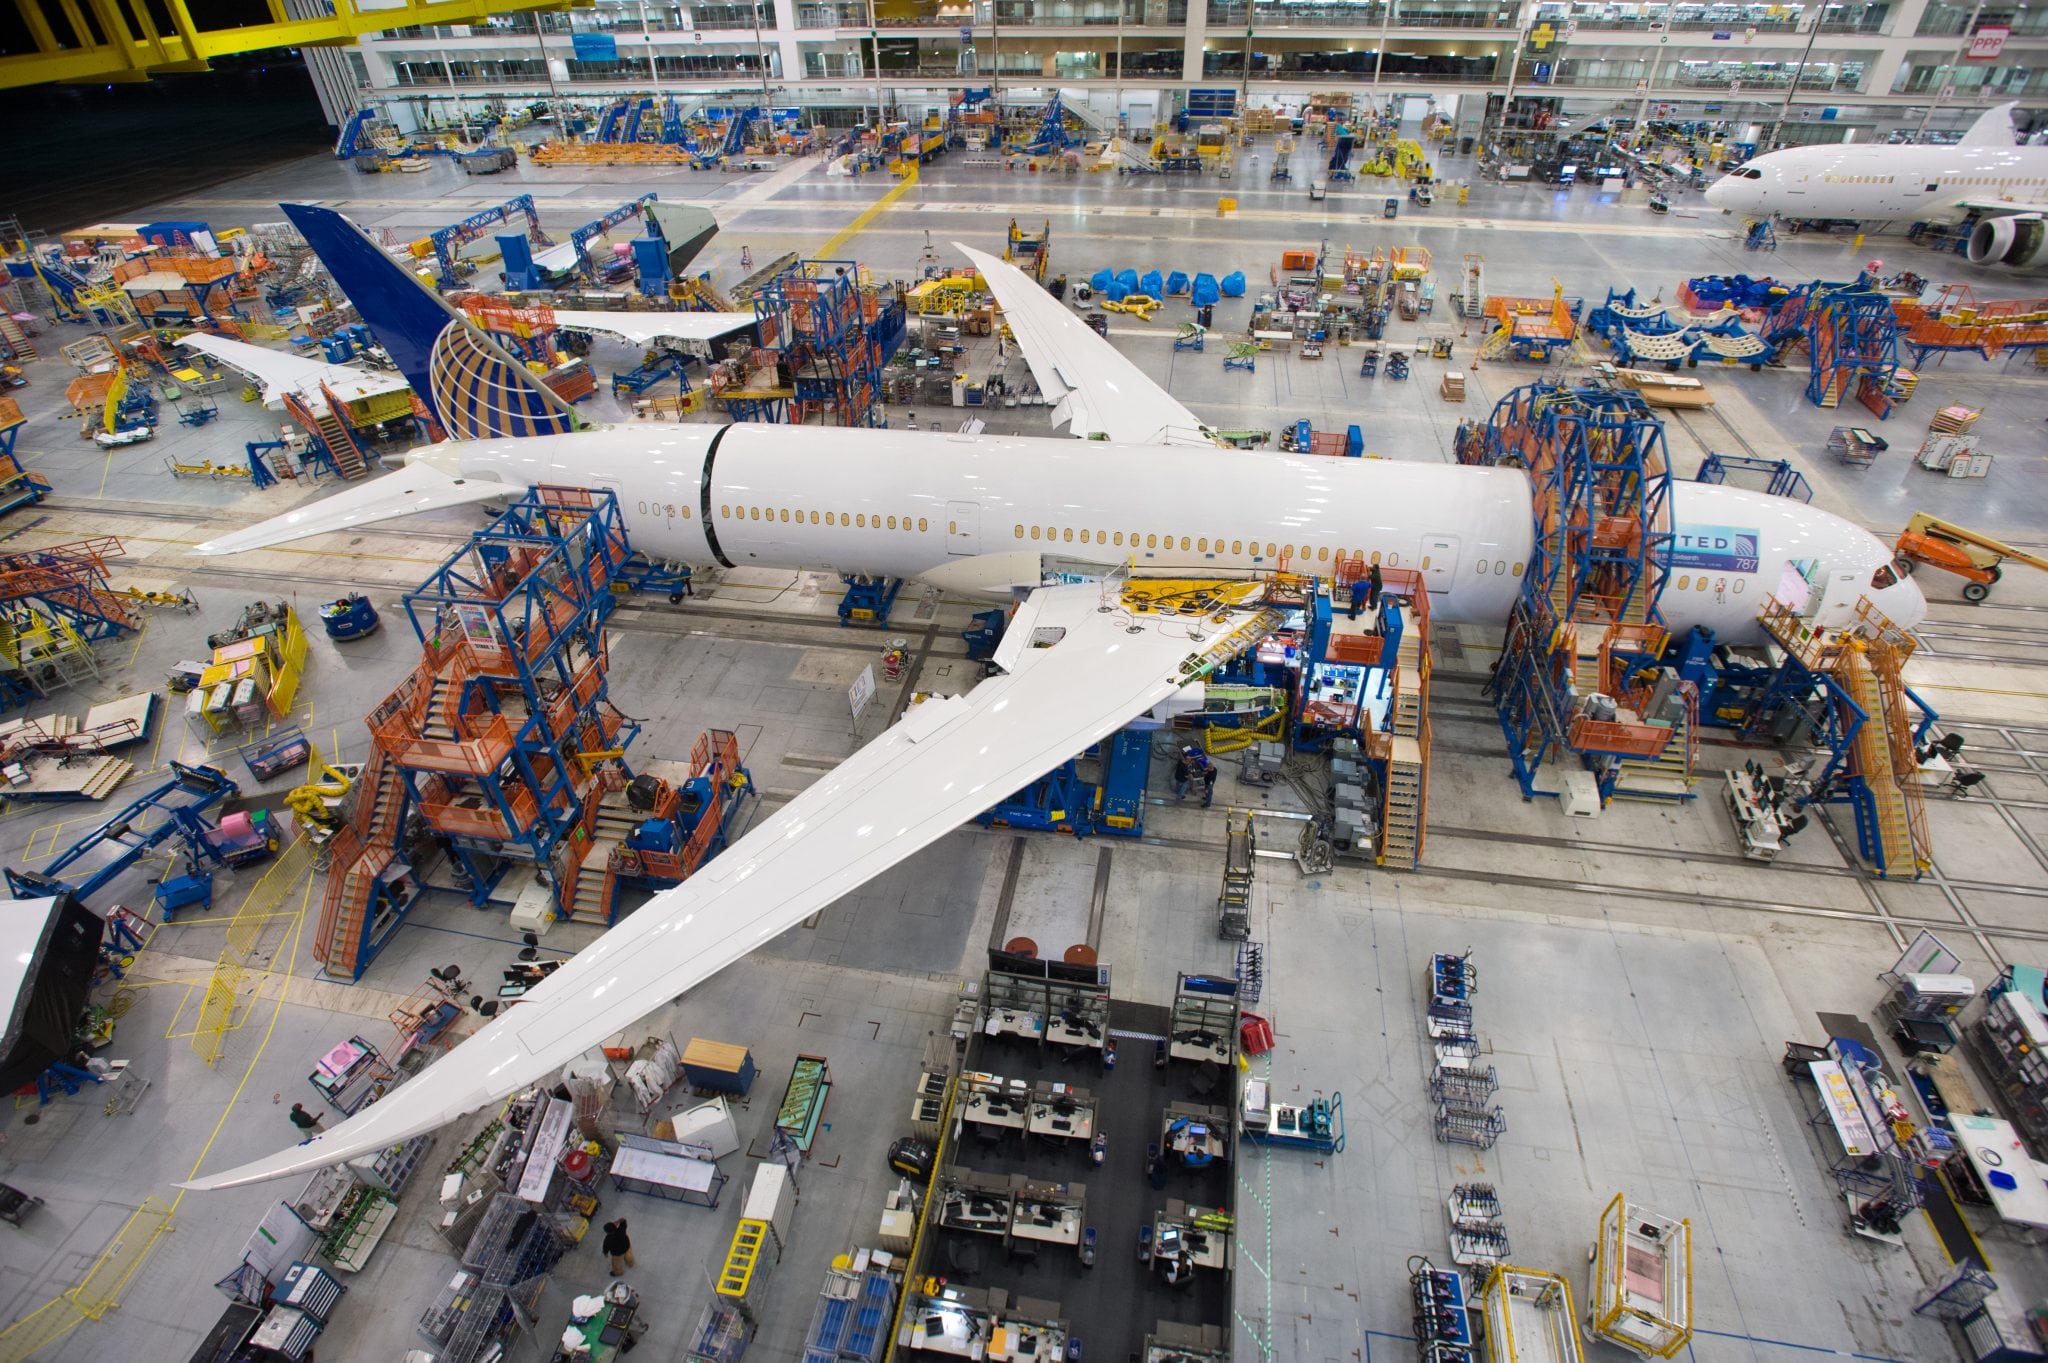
1749	173
1886	576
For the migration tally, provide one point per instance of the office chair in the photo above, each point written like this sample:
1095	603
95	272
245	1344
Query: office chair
1797	822
1950	745
483	1007
450	975
1964	781
532	948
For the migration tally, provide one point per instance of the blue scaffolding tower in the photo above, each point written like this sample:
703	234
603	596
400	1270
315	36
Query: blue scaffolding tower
1598	561
833	337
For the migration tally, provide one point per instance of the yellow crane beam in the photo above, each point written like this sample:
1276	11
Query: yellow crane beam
121	40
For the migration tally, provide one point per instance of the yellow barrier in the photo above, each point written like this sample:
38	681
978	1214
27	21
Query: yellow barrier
244	932
97	1293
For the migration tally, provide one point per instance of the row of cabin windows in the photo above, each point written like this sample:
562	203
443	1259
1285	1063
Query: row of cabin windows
1686	583
859	520
1981	181
1200	544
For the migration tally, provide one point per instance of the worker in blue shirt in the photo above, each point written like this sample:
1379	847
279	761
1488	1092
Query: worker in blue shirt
1360	589
1183	773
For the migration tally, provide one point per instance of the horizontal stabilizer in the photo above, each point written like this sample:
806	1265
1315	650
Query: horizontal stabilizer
414	488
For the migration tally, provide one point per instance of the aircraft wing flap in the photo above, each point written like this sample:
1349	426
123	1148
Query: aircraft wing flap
914	783
1089	381
416	487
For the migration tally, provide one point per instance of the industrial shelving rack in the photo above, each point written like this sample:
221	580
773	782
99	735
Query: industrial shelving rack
833	335
509	1254
851	1324
491	743
393	1167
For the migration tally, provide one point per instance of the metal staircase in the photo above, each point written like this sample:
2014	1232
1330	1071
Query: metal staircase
16	340
1891	817
1407	769
69	582
324	424
593	891
358	855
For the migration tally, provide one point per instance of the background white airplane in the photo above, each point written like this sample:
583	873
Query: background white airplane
970	513
2004	185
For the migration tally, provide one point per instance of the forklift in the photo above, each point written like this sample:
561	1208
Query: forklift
1977	559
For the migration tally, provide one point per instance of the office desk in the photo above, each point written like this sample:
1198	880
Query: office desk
982	1214
1186	1142
1013	1342
943	1328
1008	1022
997	1111
1078	1125
1993	1147
1029	1223
1200	1046
1063	1033
1202	1247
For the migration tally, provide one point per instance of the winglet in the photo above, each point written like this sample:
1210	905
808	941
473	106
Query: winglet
476	390
1993	128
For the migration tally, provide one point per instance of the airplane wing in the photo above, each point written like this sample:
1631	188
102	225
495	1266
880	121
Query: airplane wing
645	328
1097	389
1077	672
2002	207
416	487
274	371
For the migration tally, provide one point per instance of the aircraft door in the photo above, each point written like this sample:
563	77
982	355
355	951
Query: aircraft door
963	529
1838	603
1439	561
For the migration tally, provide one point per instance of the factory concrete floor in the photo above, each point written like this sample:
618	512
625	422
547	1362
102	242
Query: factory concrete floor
1639	979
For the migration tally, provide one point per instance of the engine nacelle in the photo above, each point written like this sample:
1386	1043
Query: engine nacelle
2016	240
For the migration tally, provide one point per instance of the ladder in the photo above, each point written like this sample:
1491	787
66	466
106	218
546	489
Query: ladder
1234	903
741	1260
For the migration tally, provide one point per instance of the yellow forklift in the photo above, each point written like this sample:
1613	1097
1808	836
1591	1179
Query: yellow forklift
1977	559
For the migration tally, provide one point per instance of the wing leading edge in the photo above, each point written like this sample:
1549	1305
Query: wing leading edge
945	761
277	372
1095	388
419	486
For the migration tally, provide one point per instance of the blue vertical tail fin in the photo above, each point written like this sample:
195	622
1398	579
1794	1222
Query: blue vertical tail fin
473	388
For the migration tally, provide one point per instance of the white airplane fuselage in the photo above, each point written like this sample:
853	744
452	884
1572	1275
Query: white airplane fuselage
980	514
1877	184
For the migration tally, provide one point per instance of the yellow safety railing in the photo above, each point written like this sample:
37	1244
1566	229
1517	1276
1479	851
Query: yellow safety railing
244	933
97	1293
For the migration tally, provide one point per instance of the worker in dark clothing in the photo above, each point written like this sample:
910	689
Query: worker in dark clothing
1372	598
1360	589
617	1246
1182	774
306	1122
1208	783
